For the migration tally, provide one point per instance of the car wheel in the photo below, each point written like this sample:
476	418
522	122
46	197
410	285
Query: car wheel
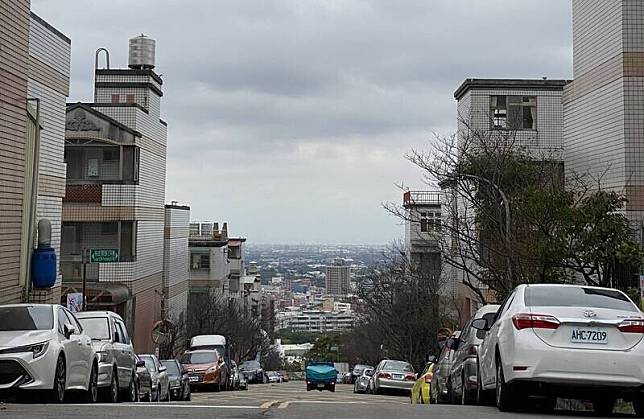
110	394
167	394
466	396
92	387
186	393
157	396
58	388
504	398
604	406
132	392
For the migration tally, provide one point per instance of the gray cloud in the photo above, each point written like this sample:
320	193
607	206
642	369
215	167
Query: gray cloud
291	118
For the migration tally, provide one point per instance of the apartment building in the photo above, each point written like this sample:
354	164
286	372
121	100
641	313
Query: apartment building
176	262
423	220
315	320
604	105
115	150
209	266
338	278
34	80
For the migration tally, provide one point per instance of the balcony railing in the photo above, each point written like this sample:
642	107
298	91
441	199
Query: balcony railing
84	193
421	198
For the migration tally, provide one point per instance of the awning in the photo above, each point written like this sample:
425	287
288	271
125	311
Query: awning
99	293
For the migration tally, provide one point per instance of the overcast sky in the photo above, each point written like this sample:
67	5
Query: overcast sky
290	119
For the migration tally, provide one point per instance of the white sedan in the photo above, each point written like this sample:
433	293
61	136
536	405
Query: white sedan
570	341
43	347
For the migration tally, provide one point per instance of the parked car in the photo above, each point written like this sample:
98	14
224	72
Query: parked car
179	381
143	380
159	376
284	376
393	375
44	347
439	388
116	364
361	384
462	376
420	390
339	379
206	369
253	371
357	371
274	377
570	341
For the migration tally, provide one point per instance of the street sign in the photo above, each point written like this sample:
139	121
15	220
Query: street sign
74	302
103	255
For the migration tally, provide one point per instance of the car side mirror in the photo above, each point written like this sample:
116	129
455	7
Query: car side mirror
431	359
140	364
481	324
162	368
69	330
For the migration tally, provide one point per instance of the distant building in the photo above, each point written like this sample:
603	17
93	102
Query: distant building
423	223
209	267
176	262
338	278
315	320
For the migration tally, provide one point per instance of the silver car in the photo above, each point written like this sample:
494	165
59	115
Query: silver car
463	373
43	347
439	387
393	375
361	384
159	376
116	366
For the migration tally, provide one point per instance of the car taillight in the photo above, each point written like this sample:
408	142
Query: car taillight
410	377
384	375
535	321
631	326
428	378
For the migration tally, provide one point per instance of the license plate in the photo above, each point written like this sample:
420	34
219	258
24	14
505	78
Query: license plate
589	335
398	376
193	378
320	385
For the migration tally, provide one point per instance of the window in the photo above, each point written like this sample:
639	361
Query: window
62	319
200	261
131	164
109	228
72	320
127	249
583	297
129	98
111	154
115	99
96	327
513	112
26	318
123	337
430	221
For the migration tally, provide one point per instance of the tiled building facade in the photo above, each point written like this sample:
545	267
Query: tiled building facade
530	109
123	194
604	105
34	83
176	258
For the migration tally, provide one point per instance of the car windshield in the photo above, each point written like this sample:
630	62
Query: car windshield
149	363
96	327
357	369
249	365
173	368
397	366
26	318
199	357
577	297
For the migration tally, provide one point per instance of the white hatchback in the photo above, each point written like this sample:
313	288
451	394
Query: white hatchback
570	341
43	347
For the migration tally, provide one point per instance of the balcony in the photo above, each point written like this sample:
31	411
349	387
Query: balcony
411	198
84	193
100	164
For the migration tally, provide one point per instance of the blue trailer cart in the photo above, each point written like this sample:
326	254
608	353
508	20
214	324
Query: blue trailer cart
320	376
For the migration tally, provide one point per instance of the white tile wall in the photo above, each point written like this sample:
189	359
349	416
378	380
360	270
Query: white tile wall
49	48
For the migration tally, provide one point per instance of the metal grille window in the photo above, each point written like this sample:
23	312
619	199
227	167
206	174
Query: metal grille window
430	221
513	112
200	261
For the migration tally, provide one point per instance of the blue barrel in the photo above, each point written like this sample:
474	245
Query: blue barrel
43	268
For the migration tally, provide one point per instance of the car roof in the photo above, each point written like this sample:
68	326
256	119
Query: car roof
567	285
83	314
488	308
31	305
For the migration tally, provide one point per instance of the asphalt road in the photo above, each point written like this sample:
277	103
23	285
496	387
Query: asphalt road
285	400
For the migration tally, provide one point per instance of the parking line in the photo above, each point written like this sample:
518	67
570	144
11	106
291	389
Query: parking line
199	406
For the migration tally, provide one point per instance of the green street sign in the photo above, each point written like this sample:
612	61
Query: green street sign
103	255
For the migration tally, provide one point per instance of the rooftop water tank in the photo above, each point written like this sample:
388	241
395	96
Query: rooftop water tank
141	52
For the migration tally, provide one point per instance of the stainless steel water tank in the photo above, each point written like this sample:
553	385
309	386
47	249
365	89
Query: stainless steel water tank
141	52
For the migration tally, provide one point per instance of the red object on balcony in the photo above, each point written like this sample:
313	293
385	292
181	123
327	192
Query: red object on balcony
84	193
421	198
